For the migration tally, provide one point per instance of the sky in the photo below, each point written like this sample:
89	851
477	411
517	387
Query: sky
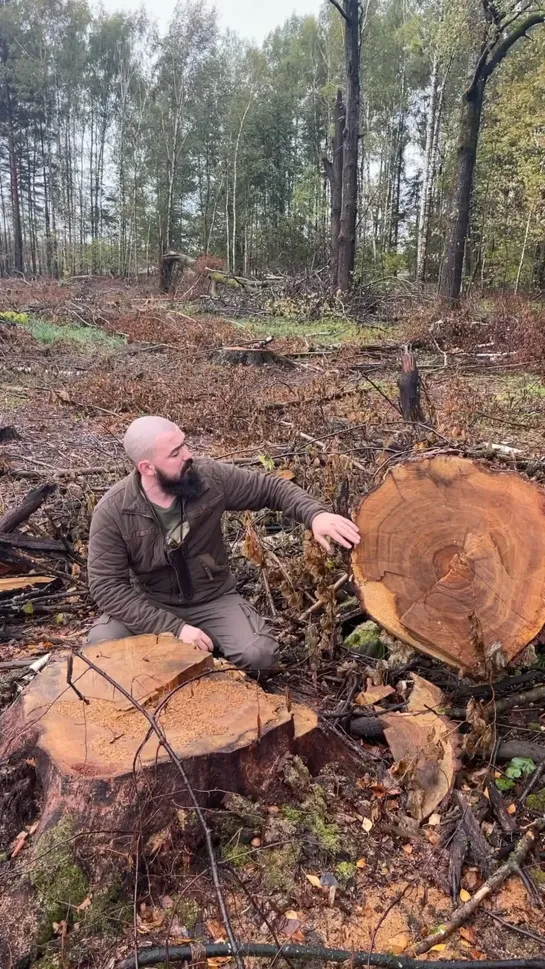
252	19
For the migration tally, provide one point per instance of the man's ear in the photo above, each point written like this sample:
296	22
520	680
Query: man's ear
146	468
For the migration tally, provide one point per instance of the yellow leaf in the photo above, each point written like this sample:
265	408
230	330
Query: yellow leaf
291	915
434	819
361	863
464	895
314	880
440	947
512	809
408	849
367	824
486	794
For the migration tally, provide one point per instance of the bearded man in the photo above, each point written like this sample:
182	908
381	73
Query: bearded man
157	559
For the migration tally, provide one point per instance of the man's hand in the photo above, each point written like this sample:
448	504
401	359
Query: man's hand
190	634
340	530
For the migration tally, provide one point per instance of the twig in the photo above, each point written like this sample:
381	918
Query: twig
178	764
316	606
69	671
515	928
532	782
516	699
463	912
267	589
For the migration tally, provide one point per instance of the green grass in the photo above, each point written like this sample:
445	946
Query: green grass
520	388
89	337
320	332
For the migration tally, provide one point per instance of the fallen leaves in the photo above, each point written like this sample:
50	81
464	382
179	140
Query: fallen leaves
367	824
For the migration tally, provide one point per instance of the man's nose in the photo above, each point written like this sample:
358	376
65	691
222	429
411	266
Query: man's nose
186	454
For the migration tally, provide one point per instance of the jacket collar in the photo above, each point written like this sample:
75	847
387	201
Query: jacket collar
135	501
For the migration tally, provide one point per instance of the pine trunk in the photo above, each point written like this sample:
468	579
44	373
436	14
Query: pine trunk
451	277
347	236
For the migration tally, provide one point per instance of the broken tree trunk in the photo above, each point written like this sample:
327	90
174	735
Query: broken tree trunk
409	389
452	559
31	503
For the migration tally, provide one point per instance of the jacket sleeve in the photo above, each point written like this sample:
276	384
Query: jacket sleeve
251	491
110	585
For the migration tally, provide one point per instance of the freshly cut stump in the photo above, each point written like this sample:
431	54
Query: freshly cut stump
90	756
452	558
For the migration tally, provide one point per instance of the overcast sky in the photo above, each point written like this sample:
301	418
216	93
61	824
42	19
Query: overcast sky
249	18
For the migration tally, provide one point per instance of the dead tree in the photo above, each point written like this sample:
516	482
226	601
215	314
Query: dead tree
409	388
350	11
500	32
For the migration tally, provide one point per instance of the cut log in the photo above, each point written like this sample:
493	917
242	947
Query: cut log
31	503
225	728
452	559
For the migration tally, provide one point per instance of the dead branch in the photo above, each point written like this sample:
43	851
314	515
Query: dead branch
31	503
316	606
491	885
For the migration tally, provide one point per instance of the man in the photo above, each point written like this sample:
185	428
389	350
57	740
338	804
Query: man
157	559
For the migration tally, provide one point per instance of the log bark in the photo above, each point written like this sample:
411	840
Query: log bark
347	235
32	502
409	389
334	172
445	551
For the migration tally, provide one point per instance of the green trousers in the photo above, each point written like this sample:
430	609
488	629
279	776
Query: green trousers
240	634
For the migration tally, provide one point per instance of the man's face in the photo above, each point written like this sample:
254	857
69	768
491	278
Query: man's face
172	466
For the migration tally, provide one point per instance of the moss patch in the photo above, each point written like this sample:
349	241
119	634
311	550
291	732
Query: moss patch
57	877
365	639
536	802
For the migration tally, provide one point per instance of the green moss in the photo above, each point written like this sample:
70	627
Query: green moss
345	871
292	814
47	962
236	855
365	639
59	880
188	912
108	910
537	875
536	802
8	316
278	872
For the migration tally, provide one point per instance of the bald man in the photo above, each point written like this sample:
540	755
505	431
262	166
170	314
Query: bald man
157	559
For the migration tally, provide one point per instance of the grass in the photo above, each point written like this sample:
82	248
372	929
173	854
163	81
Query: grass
321	332
51	333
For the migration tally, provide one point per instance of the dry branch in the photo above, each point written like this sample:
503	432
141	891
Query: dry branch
31	503
491	885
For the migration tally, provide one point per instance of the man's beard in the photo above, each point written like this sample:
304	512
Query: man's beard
187	485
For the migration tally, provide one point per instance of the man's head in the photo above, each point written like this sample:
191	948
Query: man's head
157	448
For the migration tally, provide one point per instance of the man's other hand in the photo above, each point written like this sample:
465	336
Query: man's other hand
340	530
190	634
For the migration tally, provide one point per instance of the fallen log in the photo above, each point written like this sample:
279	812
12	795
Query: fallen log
31	503
452	559
30	543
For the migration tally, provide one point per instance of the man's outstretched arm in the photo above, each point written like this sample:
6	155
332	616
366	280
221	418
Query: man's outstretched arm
251	491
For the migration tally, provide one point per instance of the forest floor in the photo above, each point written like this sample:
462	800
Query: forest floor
82	358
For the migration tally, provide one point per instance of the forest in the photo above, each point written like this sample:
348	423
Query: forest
119	144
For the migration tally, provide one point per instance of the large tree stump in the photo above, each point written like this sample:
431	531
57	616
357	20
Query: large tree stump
224	727
452	558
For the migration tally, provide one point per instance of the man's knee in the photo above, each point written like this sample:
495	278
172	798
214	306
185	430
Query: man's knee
259	655
106	629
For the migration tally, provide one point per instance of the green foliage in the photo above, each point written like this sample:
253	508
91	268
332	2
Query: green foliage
8	316
83	336
518	767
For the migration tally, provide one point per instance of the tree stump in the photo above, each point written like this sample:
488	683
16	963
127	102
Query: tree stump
223	726
452	559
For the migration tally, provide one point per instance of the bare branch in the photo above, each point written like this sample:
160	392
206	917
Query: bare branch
508	42
340	9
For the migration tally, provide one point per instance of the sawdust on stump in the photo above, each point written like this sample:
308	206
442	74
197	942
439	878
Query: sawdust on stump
452	559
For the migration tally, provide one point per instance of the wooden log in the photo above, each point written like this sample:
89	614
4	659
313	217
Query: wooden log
30	543
31	503
452	559
409	389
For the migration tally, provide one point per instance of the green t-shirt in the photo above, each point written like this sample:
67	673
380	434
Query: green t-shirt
170	520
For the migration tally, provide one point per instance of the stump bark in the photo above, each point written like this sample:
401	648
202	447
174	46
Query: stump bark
452	559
